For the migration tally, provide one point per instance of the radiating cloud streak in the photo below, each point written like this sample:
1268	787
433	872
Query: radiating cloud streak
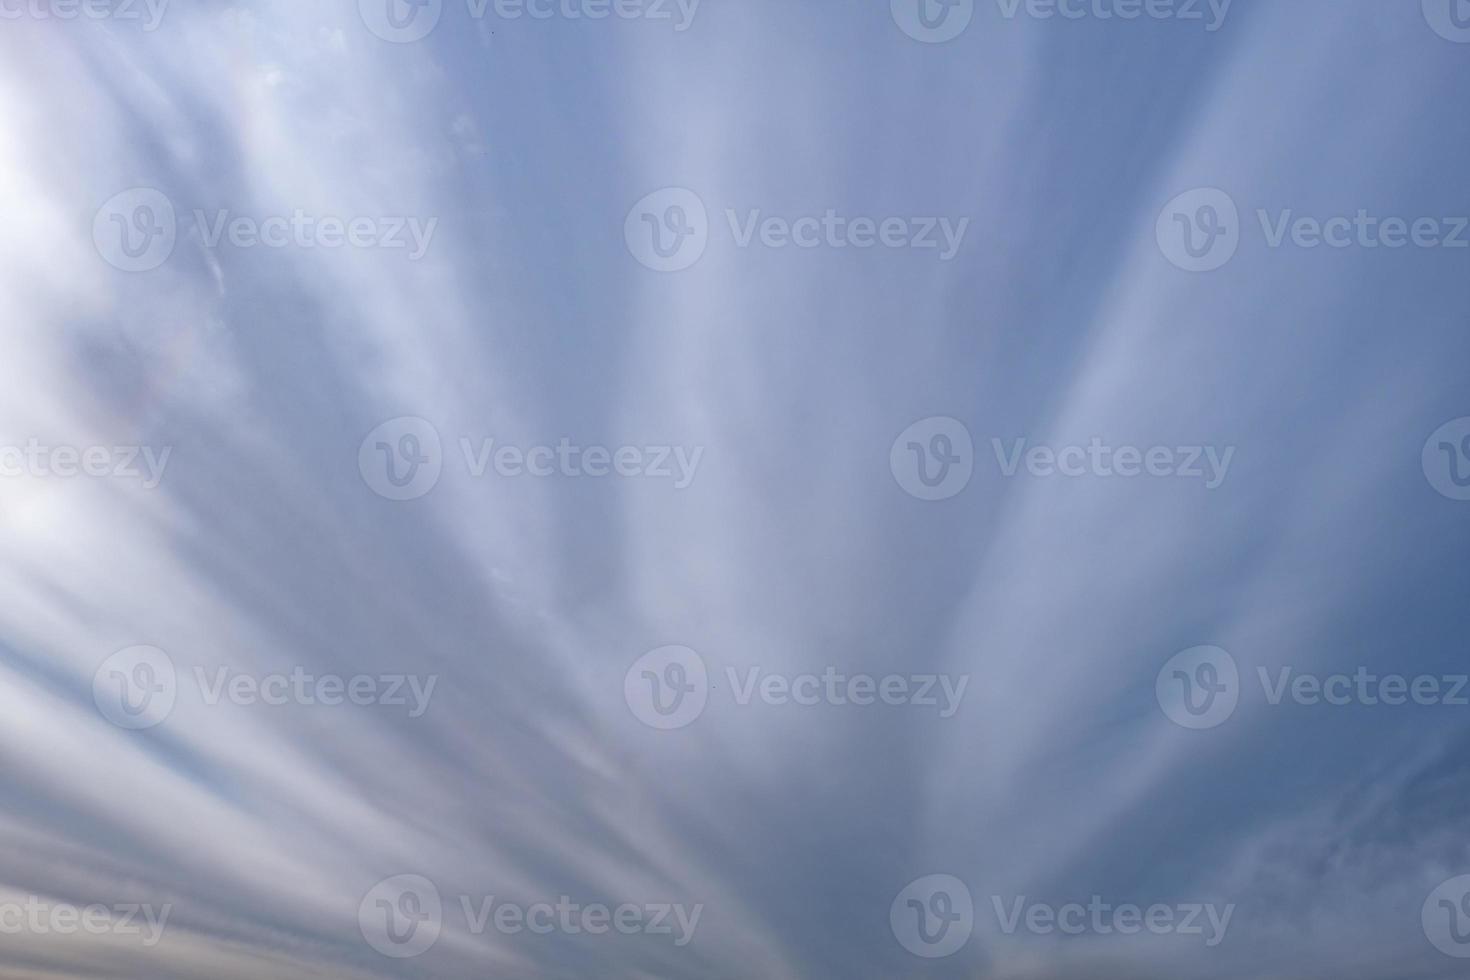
265	828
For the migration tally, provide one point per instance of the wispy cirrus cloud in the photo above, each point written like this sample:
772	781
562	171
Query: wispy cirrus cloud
353	688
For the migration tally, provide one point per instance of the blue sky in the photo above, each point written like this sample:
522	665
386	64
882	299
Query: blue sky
601	491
